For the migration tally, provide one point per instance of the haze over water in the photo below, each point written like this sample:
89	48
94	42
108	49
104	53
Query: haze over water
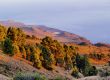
88	18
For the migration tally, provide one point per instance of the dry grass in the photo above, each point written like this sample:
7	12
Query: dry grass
10	66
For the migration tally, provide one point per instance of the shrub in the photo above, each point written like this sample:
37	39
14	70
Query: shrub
75	72
59	78
93	71
29	76
60	62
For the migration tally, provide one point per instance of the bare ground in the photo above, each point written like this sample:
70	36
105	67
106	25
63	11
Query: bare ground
2	77
95	78
10	66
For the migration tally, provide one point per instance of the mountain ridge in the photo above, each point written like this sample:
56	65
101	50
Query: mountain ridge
42	31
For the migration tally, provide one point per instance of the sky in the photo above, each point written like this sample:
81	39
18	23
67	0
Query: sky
88	18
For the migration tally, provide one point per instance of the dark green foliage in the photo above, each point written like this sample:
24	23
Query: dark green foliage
35	56
84	62
46	41
48	53
92	71
48	58
78	62
83	44
33	52
75	72
28	52
13	38
68	59
84	66
16	35
23	51
53	45
59	78
68	62
55	48
29	76
8	47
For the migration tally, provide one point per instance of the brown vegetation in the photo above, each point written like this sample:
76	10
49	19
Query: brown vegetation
48	54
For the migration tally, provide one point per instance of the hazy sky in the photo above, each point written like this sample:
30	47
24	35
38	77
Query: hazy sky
88	18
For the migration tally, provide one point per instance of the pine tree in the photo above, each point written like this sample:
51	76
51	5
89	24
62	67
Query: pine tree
16	49
16	35
35	57
48	58
55	48
23	52
8	47
68	62
28	52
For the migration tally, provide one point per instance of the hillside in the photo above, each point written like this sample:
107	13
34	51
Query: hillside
42	31
49	52
11	66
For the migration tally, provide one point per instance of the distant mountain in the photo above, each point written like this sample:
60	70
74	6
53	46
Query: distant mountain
102	45
42	31
12	23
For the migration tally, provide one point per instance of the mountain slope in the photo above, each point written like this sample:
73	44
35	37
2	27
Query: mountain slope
42	31
10	66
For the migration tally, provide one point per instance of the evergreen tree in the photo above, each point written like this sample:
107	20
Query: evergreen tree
28	52
23	52
16	35
48	58
47	41
8	47
55	48
35	56
16	49
82	63
68	62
